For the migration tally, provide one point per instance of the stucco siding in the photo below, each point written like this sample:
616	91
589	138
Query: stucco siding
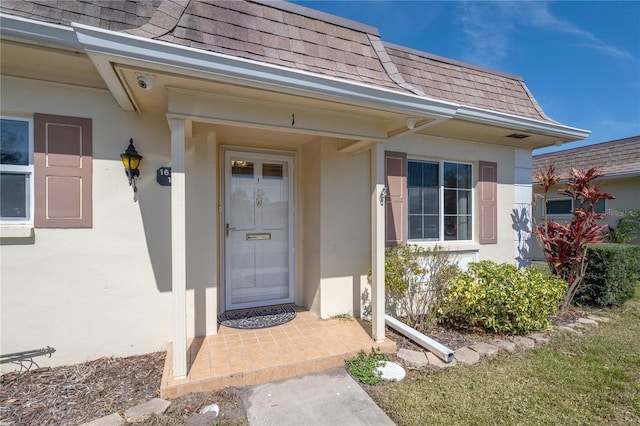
345	252
104	290
201	158
310	228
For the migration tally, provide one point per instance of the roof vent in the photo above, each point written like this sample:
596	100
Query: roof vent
517	136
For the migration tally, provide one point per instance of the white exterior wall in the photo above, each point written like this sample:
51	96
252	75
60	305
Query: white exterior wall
522	219
106	290
311	226
345	204
335	228
92	292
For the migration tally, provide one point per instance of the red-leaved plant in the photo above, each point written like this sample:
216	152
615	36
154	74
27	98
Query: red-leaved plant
565	244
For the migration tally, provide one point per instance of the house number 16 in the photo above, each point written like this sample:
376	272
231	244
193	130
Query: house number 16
163	176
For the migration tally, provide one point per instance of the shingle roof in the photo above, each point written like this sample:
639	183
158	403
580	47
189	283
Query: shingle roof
268	34
618	157
110	15
293	36
443	78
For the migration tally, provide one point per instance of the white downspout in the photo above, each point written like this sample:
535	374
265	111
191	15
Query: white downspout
439	350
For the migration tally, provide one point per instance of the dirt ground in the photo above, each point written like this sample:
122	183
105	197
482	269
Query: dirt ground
76	394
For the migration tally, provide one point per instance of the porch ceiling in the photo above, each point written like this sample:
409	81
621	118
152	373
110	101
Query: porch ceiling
258	138
156	98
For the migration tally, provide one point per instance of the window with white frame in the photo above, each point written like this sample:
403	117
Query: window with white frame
564	206
439	201
16	170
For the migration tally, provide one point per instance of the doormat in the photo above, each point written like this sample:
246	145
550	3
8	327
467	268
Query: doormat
258	318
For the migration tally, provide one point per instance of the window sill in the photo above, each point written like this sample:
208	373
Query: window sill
16	231
449	245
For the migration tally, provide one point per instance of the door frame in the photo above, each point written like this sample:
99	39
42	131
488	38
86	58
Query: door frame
290	159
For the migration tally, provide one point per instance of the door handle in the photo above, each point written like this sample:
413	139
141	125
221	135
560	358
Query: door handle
228	228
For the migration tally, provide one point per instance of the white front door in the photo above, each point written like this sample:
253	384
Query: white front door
258	229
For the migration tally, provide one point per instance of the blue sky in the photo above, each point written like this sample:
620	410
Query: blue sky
580	59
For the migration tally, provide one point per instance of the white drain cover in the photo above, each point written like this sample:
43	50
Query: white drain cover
391	371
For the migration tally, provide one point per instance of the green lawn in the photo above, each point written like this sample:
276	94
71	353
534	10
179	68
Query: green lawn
581	380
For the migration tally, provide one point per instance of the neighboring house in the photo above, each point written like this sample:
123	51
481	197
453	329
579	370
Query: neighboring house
283	128
619	160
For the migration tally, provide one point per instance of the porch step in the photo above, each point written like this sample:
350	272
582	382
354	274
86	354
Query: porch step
248	357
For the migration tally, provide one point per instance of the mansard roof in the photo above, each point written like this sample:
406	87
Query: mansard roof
289	35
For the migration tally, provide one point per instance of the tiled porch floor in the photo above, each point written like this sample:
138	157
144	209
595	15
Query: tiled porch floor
247	357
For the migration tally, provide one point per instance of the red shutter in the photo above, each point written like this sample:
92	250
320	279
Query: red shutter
488	184
62	171
395	167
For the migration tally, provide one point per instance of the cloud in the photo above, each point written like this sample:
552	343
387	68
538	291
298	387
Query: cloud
487	31
538	14
488	27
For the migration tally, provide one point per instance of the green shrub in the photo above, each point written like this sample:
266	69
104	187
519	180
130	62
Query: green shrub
363	366
627	228
502	298
612	273
415	281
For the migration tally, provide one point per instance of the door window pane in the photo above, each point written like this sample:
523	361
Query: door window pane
272	171
274	189
242	194
241	168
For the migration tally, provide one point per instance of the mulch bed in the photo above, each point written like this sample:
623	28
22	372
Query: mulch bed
458	337
79	393
76	394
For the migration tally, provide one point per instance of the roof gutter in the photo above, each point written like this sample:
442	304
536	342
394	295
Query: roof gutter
43	33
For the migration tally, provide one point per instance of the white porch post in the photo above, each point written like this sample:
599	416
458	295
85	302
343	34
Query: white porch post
377	242
178	248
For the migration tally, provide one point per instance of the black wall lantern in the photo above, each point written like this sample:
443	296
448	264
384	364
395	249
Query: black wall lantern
131	160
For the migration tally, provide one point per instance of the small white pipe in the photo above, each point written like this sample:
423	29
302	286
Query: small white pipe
441	351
